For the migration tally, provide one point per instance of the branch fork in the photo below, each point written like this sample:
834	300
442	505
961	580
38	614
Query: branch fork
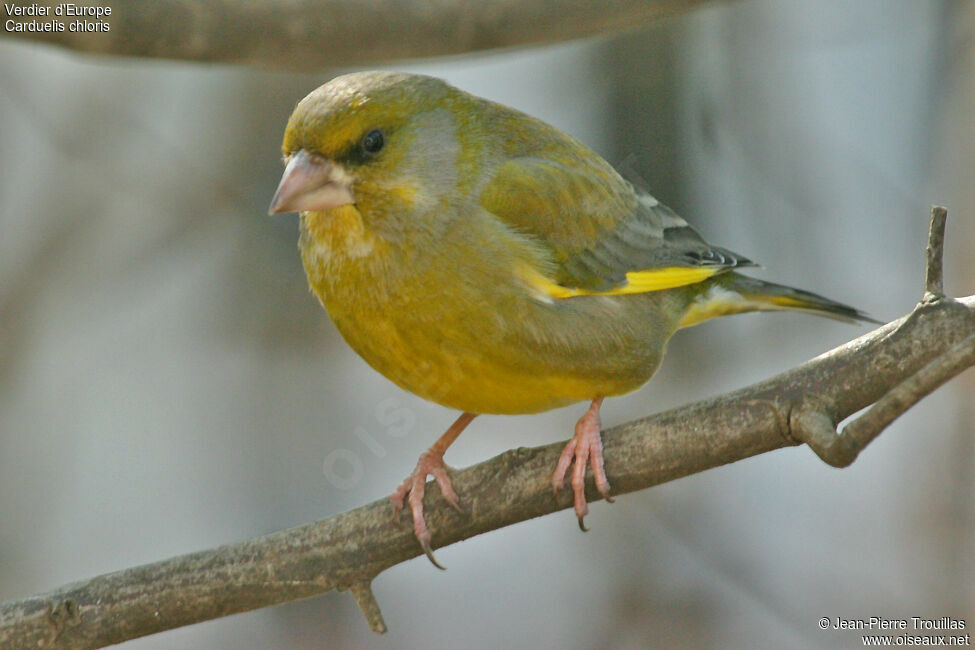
813	424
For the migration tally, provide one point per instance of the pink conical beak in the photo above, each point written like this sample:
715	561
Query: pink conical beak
311	182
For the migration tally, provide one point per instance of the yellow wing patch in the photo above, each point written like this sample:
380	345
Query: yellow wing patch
665	278
669	277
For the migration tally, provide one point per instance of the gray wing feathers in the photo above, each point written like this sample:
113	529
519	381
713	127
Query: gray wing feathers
654	237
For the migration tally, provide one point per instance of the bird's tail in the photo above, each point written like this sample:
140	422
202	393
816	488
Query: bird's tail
733	293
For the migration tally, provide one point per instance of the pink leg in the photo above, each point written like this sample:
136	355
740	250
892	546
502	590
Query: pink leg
430	463
585	448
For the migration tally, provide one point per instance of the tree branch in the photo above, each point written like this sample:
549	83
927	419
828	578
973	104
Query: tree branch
309	35
892	367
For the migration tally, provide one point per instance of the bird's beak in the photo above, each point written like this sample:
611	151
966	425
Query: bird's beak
311	182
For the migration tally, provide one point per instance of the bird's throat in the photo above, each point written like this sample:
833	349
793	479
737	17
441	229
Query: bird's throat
332	239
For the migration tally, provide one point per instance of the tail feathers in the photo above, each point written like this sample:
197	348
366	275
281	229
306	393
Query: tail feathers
731	293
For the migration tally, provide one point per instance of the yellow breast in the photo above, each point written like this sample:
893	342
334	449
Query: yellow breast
473	337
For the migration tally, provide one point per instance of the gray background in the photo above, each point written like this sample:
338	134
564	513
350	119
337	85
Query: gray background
168	384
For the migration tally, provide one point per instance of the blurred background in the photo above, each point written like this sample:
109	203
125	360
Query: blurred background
168	383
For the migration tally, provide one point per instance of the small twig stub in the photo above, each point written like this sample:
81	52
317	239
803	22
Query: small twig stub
934	286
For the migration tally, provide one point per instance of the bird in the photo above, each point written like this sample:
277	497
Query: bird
487	261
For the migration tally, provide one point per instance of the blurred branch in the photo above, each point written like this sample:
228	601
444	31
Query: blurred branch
892	368
309	35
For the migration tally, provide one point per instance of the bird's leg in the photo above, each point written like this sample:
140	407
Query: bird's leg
585	448
430	463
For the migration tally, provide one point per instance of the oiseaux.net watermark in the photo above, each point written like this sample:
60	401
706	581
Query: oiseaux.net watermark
345	466
913	631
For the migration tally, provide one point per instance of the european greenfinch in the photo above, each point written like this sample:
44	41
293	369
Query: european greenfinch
489	262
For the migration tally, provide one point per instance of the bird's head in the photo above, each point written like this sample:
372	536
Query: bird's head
386	142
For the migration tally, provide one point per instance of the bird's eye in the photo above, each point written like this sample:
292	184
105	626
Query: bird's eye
372	142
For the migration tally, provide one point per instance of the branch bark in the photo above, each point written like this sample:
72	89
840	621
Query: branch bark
309	35
891	367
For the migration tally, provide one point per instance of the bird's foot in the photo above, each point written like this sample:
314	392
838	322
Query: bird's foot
585	448
412	489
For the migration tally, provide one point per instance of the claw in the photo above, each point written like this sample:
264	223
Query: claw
425	545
